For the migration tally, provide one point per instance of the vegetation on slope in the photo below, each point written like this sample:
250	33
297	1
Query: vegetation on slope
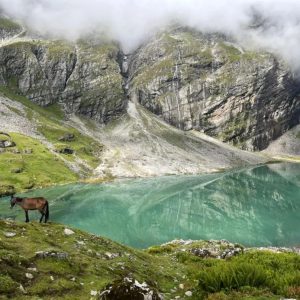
82	263
34	162
8	25
31	164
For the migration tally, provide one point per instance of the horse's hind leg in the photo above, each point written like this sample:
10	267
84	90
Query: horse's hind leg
26	215
42	213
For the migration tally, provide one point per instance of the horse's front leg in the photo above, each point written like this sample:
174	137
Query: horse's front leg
27	217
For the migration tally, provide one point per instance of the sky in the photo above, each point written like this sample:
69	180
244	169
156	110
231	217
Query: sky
131	22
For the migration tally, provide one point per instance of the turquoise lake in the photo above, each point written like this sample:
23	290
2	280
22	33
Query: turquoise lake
256	206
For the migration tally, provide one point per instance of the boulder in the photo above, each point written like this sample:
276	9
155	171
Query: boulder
65	150
7	144
68	231
53	254
129	289
67	137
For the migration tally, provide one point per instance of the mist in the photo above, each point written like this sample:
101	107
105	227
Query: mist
131	22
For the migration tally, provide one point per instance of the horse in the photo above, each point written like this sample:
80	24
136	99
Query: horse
39	203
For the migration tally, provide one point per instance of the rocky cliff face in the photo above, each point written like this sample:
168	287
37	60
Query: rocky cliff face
85	79
191	80
205	82
8	28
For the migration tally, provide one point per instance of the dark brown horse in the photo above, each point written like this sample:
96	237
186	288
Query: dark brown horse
40	204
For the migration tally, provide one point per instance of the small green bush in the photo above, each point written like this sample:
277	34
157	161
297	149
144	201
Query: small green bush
7	285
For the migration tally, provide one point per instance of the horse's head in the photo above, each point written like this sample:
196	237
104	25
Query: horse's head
13	201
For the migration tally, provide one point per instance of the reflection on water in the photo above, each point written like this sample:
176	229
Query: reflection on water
255	206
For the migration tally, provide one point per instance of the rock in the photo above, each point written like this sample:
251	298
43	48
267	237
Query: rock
65	150
201	252
181	286
188	293
29	275
81	243
129	289
17	170
53	254
74	76
7	144
231	252
21	288
32	269
68	231
94	293
16	151
10	30
218	249
109	255
28	151
244	98
51	278
67	137
9	234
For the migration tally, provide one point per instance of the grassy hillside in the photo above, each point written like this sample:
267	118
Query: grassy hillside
8	25
37	161
31	164
81	263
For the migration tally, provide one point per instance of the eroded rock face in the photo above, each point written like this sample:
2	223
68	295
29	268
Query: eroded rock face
192	80
85	79
8	28
204	82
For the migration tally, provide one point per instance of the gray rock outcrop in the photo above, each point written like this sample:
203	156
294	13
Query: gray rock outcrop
205	82
84	79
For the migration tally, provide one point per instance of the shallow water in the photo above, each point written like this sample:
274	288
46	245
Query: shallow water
258	206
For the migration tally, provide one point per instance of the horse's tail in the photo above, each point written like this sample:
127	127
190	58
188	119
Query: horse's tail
47	211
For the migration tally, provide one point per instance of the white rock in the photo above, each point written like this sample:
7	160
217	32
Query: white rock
68	231
29	275
9	234
94	293
22	289
32	269
188	293
52	278
181	286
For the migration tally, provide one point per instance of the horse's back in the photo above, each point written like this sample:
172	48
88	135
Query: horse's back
35	203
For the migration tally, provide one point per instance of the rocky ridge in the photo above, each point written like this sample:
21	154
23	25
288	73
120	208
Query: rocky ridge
209	83
205	82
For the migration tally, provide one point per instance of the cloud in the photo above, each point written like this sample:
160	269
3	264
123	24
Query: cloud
132	21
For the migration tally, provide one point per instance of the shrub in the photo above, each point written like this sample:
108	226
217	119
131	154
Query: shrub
229	276
278	273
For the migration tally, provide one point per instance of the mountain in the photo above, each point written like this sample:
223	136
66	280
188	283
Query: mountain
182	103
